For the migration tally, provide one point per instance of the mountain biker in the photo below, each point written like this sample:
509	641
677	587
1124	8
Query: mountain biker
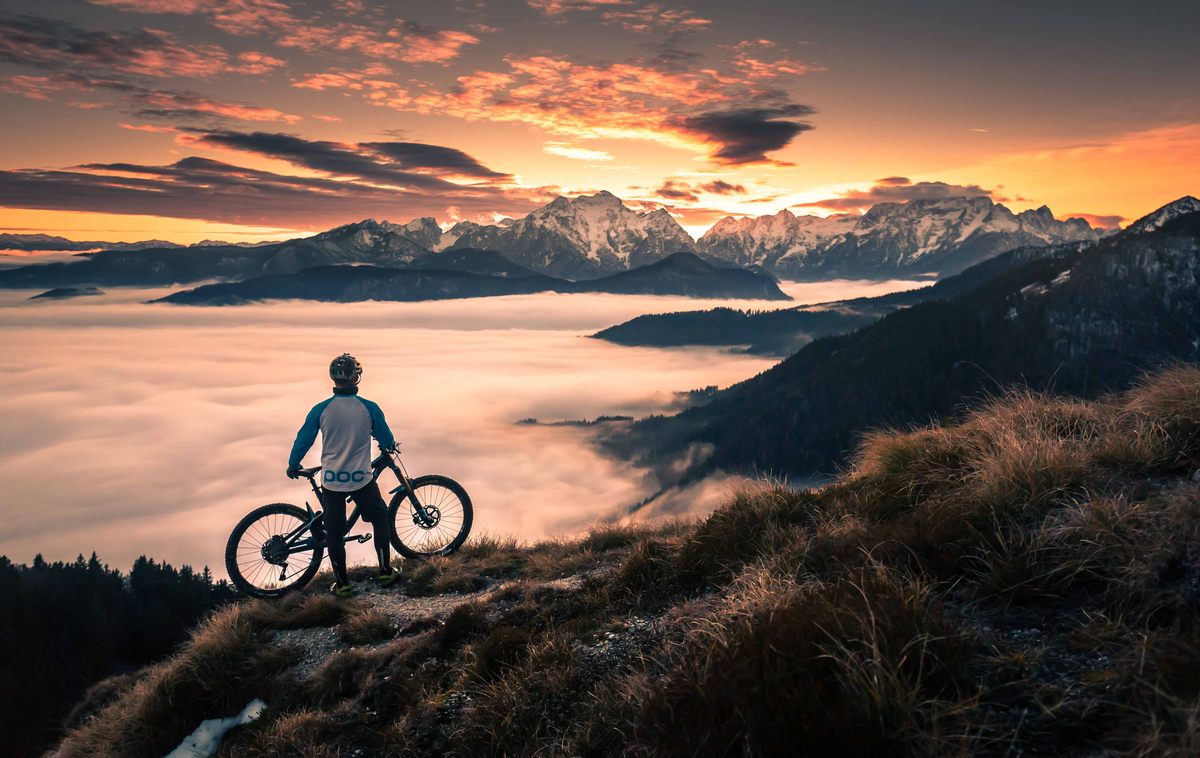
347	423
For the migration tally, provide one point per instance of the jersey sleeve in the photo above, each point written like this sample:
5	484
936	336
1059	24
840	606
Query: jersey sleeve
307	434
379	427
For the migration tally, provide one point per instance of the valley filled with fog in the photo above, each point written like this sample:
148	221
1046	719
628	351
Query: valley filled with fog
137	429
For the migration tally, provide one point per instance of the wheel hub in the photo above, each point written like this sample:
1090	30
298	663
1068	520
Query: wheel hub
432	517
275	551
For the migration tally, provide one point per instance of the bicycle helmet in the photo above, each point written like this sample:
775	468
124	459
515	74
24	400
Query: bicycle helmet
345	368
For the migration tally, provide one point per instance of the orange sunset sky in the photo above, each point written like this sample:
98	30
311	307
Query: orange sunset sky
261	119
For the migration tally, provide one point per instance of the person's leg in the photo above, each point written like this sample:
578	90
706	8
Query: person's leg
335	530
374	510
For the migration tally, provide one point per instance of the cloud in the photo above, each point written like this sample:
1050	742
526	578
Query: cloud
241	17
441	160
747	59
573	151
146	102
405	164
898	189
720	187
1100	222
654	17
32	87
330	119
672	190
200	188
745	136
630	100
552	8
253	64
425	44
407	41
49	44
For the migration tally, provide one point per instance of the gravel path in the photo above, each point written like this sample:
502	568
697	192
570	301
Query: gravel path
317	645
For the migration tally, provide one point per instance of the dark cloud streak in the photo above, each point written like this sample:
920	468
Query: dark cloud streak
395	163
746	135
204	189
898	189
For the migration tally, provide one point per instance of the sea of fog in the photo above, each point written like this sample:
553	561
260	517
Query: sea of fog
134	429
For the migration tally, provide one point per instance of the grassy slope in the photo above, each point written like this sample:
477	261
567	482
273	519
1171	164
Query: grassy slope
1024	578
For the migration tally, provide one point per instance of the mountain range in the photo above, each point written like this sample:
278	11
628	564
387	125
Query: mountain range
681	274
592	236
48	242
890	240
1082	320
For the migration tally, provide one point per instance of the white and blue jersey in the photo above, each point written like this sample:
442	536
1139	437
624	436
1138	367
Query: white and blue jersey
347	423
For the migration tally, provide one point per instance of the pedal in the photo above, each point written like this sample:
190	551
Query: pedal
364	538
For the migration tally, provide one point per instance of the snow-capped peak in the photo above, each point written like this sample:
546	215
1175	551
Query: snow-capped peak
1155	220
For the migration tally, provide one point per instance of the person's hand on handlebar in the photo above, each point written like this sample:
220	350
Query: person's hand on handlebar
293	472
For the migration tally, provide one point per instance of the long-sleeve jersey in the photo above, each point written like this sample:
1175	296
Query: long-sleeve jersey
347	423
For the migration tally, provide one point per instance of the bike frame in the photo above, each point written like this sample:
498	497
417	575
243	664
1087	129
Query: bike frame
384	461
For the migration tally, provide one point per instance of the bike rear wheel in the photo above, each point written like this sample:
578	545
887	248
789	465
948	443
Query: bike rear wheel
257	557
449	507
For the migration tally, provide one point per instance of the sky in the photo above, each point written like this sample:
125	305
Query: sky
261	119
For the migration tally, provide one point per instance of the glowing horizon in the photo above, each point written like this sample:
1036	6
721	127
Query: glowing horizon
253	120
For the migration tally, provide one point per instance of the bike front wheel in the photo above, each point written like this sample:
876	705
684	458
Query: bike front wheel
447	522
271	551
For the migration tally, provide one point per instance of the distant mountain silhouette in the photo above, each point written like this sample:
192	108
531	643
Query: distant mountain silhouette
784	331
64	293
682	274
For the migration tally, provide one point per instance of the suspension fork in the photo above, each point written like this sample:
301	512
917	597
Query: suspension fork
407	489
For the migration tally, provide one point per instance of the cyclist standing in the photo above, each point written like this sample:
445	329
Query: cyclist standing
347	423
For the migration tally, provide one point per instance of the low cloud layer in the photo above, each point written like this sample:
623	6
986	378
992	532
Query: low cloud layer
899	189
161	426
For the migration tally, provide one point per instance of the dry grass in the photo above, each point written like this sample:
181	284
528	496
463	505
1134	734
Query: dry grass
861	667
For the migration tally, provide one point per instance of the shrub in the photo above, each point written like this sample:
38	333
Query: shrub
758	521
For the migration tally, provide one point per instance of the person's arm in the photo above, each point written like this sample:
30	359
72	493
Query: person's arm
379	427
307	435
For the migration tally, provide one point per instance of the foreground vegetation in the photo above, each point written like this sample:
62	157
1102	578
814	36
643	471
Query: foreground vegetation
1022	580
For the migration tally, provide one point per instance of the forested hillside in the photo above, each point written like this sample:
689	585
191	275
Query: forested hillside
66	626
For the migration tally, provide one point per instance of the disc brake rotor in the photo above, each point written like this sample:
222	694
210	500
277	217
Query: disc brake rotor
275	551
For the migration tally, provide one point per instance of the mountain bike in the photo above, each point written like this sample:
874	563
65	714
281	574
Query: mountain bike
279	547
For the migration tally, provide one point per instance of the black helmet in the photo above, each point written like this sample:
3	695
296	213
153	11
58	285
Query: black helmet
345	368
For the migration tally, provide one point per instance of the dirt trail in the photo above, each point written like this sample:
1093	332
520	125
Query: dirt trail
317	645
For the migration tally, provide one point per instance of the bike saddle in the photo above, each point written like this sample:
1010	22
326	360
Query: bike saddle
310	472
